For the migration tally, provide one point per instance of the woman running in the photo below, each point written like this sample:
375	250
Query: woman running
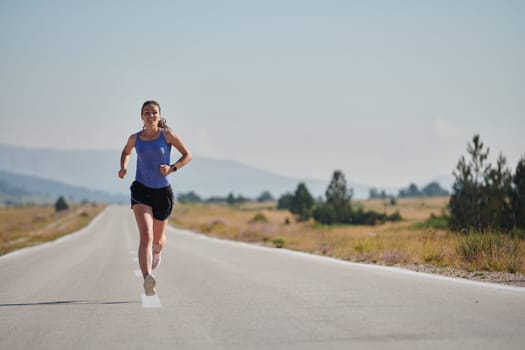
151	193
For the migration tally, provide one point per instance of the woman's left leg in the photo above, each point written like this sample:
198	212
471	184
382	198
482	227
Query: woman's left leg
159	234
159	239
163	206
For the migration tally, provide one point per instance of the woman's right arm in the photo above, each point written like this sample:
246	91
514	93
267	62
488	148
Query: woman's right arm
124	157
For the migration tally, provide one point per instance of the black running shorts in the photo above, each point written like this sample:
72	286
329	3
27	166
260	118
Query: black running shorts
159	199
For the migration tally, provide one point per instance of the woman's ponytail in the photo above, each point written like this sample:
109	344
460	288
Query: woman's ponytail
162	124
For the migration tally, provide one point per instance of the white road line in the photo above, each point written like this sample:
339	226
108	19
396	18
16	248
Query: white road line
150	302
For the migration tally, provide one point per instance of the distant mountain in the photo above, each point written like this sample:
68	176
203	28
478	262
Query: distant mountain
11	193
17	188
97	170
89	169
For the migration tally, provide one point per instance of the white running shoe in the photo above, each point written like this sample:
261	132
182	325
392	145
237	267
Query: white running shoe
156	260
149	285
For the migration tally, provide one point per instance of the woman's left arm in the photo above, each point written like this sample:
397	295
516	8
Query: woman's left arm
185	158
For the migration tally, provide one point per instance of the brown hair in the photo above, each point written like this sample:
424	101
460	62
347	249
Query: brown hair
162	122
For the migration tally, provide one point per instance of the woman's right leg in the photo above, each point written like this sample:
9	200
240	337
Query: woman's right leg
144	218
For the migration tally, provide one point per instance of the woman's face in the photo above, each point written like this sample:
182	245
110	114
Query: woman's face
151	115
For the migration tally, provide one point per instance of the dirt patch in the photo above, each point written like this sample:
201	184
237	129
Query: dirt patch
507	278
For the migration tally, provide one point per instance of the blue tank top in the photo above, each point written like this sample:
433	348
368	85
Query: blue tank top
150	156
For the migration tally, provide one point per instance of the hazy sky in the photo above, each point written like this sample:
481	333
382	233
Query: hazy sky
388	91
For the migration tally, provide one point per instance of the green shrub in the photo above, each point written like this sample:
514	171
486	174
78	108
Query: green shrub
395	216
259	217
278	242
437	222
491	252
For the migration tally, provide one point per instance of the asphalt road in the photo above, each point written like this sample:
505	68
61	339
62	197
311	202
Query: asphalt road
83	292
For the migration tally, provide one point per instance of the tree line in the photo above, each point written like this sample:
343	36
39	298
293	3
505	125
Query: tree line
335	208
484	197
230	198
433	189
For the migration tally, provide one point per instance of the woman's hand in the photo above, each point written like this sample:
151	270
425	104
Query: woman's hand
165	169
122	173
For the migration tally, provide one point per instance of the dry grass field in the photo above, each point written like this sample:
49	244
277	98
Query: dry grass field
25	226
408	243
411	209
404	243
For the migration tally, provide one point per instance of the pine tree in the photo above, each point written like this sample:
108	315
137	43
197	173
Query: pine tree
61	204
485	197
337	194
230	199
518	194
302	202
497	208
466	203
338	207
284	201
